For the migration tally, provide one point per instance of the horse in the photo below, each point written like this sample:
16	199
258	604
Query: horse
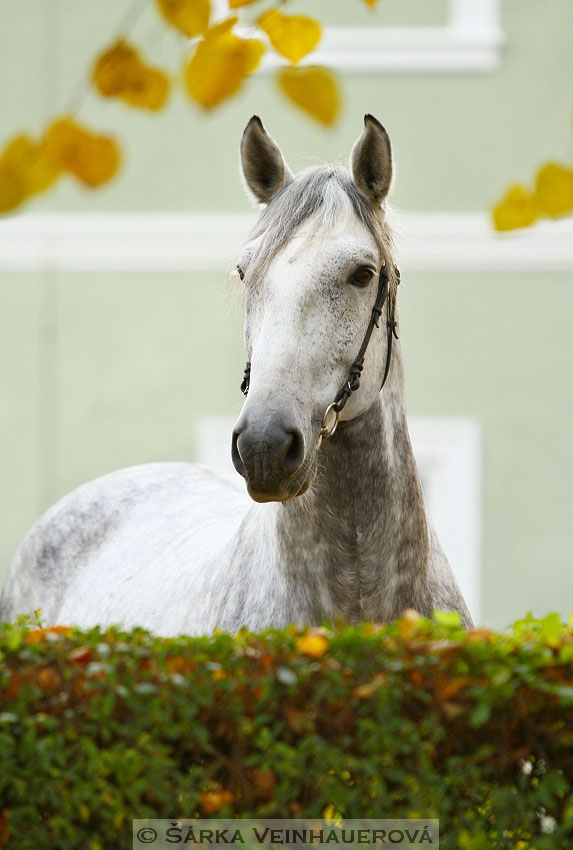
332	523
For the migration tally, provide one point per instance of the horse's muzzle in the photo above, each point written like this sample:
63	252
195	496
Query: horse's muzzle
268	456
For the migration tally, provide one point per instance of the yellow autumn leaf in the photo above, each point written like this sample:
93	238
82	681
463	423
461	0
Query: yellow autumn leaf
220	64
12	188
120	72
312	644
314	90
293	36
114	68
40	171
516	209
554	189
92	159
237	4
25	170
149	90
191	17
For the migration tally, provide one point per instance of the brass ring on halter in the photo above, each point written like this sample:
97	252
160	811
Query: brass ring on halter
327	429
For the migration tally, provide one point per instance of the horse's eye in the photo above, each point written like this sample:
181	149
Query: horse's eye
362	277
241	272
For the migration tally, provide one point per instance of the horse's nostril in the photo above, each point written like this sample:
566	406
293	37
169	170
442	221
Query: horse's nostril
294	454
235	454
268	452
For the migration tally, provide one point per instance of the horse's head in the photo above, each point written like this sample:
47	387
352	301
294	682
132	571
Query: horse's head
310	272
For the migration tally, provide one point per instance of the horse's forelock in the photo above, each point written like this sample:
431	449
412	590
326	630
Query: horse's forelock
320	192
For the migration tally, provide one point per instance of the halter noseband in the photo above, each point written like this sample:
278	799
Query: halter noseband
352	383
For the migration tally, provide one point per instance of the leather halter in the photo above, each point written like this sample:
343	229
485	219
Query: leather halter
352	383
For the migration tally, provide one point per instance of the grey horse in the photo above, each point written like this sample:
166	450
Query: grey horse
332	522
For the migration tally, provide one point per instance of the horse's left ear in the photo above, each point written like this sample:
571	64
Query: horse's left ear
371	161
264	167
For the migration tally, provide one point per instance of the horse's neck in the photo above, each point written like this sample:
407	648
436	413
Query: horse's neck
363	524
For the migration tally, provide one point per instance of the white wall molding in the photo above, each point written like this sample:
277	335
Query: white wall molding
470	42
208	241
405	50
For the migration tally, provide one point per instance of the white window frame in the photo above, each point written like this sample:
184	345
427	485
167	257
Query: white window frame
448	452
470	41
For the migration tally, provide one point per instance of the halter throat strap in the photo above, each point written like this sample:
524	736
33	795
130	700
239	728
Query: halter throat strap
352	383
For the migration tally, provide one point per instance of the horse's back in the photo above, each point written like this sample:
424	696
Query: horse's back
138	528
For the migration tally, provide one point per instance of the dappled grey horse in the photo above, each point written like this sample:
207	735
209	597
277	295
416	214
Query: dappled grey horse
335	525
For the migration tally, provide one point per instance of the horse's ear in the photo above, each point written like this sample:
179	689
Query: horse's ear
371	161
264	168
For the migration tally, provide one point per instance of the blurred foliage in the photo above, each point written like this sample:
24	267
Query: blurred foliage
120	72
220	64
312	89
221	61
551	197
416	719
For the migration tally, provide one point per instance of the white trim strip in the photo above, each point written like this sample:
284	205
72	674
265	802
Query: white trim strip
405	50
209	241
470	42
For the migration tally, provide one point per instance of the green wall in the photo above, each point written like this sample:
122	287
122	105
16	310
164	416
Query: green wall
97	370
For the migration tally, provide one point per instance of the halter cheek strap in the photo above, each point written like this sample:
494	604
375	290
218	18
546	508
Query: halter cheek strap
352	383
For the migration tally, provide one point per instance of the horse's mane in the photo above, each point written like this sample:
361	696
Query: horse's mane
316	193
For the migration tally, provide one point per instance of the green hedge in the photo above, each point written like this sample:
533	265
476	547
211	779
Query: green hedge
413	719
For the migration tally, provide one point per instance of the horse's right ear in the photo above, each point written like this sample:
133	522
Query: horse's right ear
264	167
371	161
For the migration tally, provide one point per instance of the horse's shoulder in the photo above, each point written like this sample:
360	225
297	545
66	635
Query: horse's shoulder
71	531
89	513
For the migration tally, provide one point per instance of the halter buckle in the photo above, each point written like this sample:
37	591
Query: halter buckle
328	428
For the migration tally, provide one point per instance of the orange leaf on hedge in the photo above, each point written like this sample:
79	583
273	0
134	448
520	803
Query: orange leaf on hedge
408	622
220	64
314	90
48	679
212	801
92	159
264	781
191	17
179	664
448	688
293	36
39	635
81	655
